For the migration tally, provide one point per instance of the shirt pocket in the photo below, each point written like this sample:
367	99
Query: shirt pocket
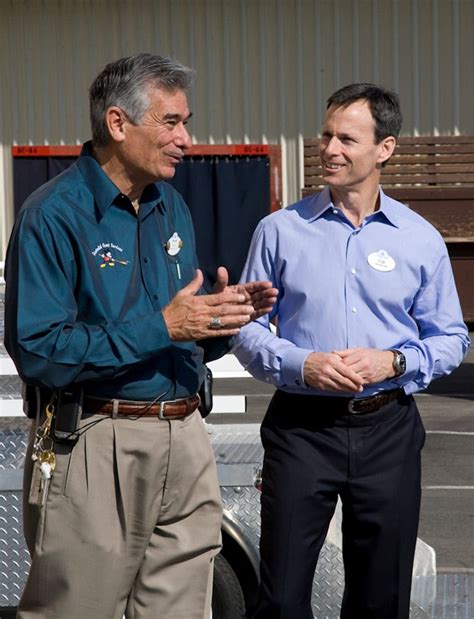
182	272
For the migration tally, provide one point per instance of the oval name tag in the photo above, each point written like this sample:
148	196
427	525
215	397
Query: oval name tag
174	244
381	261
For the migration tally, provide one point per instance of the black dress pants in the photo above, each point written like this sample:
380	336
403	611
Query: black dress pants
315	451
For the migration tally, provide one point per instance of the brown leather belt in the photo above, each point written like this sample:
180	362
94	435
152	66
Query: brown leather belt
372	403
166	409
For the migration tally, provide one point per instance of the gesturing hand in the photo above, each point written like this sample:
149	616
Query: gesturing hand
261	295
188	316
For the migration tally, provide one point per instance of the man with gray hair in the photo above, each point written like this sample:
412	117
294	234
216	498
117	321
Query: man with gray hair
122	509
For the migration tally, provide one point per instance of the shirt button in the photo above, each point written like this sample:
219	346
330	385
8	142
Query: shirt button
354	310
145	260
353	271
335	211
155	296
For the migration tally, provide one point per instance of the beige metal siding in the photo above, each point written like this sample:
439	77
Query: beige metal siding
264	67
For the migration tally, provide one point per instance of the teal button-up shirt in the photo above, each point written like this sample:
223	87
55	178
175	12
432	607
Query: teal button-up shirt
86	281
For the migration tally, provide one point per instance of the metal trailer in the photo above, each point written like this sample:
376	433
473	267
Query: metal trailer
238	453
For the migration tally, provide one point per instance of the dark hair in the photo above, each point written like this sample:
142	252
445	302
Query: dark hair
384	106
126	83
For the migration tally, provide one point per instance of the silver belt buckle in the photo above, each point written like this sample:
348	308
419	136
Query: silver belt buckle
162	408
350	406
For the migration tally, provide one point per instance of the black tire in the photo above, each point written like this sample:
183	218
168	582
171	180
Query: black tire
227	599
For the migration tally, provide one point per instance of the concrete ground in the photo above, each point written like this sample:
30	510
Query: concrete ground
447	514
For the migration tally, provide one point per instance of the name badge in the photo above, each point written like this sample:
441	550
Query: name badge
381	261
174	245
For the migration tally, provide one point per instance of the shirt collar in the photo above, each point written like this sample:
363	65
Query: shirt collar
322	202
390	209
319	204
105	191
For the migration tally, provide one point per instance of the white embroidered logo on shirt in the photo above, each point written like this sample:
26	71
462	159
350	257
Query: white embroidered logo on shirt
103	251
381	261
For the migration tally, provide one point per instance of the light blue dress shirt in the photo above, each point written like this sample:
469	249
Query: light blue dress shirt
387	284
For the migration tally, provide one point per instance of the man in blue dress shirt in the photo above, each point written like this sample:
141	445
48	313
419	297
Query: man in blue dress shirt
122	509
367	315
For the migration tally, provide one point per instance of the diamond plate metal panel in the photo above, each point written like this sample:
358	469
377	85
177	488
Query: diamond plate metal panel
239	445
14	557
13	439
455	596
242	506
10	387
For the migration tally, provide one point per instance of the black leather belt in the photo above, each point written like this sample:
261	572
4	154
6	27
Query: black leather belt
373	403
339	405
166	409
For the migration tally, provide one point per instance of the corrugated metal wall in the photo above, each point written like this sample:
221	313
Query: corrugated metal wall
264	67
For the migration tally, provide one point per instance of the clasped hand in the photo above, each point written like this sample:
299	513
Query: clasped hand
190	316
348	370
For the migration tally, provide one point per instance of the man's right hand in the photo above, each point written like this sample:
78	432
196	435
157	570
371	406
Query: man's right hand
188	315
328	372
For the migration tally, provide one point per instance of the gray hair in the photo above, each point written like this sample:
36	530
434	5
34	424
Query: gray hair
126	83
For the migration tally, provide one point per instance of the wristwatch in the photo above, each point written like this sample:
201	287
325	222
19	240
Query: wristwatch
399	363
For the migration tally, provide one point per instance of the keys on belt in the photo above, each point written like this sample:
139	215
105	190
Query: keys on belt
44	459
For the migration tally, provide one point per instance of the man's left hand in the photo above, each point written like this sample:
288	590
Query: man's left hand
371	364
261	295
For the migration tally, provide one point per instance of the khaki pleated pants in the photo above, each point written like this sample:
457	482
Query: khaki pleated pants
130	525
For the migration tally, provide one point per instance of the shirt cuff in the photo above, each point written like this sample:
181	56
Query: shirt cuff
292	367
406	380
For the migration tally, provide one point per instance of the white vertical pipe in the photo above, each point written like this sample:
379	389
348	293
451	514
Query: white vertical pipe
435	42
416	68
264	70
456	101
